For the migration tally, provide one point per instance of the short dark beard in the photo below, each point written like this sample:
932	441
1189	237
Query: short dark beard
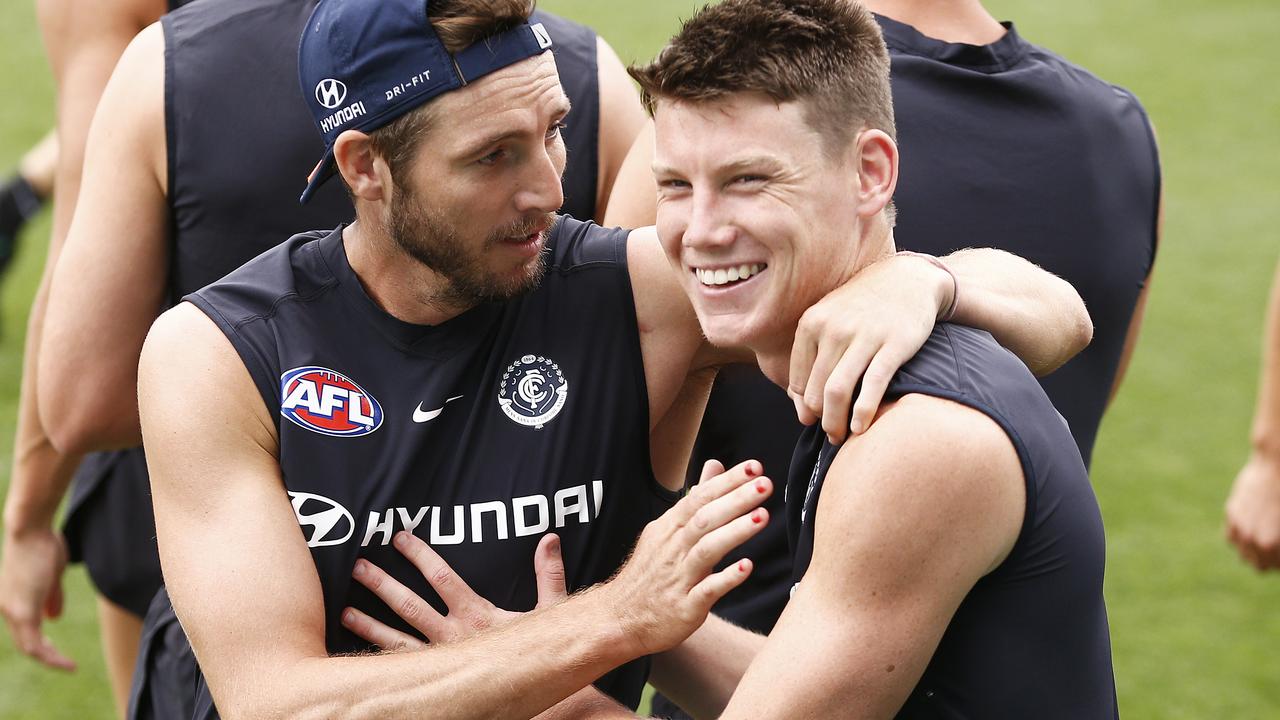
425	236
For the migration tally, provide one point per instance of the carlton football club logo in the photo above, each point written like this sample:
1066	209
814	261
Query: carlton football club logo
533	391
328	402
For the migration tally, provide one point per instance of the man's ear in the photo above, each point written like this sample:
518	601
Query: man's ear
364	172
876	157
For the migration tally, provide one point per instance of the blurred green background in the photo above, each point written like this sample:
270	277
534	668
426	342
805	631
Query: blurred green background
1193	630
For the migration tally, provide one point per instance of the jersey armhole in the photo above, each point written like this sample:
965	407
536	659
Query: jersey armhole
259	367
1019	447
668	497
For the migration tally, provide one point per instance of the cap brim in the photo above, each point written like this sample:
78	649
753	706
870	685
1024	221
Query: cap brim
323	170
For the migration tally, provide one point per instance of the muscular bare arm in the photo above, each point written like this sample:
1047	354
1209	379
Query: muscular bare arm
109	283
83	48
908	520
246	591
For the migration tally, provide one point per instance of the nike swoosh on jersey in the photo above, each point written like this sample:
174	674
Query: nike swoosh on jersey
421	416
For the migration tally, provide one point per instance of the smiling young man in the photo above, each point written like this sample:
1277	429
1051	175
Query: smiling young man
949	559
463	365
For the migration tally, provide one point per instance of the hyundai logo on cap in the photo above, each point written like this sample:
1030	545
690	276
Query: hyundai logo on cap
364	63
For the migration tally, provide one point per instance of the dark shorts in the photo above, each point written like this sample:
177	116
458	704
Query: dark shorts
111	529
166	677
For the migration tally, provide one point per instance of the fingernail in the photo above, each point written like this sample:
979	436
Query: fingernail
762	486
554	544
359	569
348	618
753	469
742	566
401	539
855	428
757	516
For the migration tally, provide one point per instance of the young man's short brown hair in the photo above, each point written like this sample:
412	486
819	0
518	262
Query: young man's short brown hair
829	54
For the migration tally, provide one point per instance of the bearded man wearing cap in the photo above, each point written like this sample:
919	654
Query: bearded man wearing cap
461	365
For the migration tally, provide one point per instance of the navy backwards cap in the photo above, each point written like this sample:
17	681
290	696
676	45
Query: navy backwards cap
364	63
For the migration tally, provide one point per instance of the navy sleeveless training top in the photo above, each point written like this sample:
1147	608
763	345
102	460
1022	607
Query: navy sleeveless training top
479	435
1030	640
1008	145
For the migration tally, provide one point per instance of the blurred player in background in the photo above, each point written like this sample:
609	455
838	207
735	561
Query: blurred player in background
1253	509
188	197
83	48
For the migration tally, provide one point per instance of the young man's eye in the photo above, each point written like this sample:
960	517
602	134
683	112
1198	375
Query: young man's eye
673	184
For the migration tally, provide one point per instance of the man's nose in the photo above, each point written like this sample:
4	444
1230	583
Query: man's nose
708	225
541	191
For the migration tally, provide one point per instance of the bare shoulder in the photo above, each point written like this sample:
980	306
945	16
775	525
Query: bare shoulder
928	471
188	362
185	334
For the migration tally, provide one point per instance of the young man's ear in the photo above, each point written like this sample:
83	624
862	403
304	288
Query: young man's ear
364	172
876	156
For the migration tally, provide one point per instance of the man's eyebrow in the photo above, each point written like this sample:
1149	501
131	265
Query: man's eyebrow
561	110
753	163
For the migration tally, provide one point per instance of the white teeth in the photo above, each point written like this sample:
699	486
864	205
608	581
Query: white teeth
723	276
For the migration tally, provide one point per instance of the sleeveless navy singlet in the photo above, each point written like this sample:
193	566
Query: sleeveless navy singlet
511	420
1030	640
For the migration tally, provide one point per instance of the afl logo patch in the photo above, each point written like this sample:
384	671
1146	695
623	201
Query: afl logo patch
533	391
328	402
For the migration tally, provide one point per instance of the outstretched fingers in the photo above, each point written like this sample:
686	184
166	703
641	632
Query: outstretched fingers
405	602
384	636
452	589
717	585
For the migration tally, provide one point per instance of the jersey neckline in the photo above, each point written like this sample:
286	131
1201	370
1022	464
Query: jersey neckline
431	340
1001	55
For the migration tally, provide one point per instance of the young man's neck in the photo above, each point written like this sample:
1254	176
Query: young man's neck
953	21
773	355
398	283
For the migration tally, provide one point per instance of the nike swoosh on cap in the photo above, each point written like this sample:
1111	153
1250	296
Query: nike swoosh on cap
421	416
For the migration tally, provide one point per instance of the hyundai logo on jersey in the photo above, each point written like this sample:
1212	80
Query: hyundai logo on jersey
328	402
329	522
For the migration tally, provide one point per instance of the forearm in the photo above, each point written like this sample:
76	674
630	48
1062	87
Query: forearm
1034	313
587	703
701	673
562	649
40	473
1265	435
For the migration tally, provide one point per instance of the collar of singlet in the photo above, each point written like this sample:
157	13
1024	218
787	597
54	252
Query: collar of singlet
998	56
443	340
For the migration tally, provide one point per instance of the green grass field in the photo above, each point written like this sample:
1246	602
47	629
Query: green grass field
1194	631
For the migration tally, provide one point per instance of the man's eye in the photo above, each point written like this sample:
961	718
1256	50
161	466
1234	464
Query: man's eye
670	184
492	157
555	130
749	179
